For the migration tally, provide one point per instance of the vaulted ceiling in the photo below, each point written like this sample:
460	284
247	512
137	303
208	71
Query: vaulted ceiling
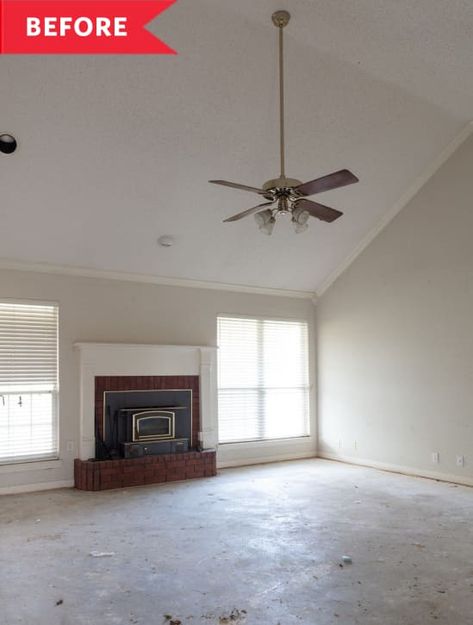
116	151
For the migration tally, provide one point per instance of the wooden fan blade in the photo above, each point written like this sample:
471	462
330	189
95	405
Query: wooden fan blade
250	211
325	213
333	181
242	187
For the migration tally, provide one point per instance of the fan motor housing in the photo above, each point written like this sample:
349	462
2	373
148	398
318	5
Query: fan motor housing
281	183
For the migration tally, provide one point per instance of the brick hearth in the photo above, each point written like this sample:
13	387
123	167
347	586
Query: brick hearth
107	474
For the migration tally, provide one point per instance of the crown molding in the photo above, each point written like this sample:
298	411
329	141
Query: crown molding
83	272
406	197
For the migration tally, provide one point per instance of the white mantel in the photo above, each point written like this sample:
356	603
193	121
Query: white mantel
123	359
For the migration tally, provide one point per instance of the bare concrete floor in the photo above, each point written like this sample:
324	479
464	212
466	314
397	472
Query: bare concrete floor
260	545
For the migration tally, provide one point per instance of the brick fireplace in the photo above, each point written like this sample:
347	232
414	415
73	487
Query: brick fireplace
145	372
127	384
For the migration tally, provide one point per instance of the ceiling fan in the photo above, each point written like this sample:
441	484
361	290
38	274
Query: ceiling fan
287	196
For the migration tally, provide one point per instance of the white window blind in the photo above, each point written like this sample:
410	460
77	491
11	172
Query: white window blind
263	379
28	381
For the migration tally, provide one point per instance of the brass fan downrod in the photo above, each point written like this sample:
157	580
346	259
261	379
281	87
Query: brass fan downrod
281	19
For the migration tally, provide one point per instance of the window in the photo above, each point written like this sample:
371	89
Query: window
28	381
263	381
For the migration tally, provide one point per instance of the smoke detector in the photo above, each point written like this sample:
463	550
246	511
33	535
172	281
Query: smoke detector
166	241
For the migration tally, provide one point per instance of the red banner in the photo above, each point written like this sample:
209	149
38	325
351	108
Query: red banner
80	27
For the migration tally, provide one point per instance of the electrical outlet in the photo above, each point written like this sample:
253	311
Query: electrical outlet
460	461
435	457
70	446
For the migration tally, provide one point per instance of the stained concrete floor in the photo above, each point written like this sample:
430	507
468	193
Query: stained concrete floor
256	546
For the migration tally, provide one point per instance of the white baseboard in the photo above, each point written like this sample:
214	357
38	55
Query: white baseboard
395	468
245	462
31	488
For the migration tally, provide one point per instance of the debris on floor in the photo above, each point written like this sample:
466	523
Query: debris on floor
102	554
59	601
171	620
235	616
347	560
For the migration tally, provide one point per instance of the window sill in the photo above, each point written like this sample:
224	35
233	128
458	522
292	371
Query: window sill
32	465
276	450
269	441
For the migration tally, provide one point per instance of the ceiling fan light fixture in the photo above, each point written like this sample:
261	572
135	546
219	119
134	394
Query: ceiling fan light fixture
298	228
265	221
300	215
268	227
289	194
263	217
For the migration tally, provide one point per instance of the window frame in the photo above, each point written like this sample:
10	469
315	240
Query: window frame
311	430
47	461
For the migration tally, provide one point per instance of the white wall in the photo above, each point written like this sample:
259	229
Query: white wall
395	337
112	311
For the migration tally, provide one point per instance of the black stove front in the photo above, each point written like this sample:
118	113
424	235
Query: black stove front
138	423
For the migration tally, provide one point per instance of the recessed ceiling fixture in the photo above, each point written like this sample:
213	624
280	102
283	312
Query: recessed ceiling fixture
8	143
286	196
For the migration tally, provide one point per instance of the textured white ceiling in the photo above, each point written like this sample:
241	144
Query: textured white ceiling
116	151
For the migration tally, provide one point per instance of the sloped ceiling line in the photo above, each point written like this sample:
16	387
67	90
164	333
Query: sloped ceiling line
404	200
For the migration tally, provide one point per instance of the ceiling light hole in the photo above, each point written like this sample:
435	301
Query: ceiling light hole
8	143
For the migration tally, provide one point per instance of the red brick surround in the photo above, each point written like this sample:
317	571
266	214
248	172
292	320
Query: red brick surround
107	474
148	383
120	473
